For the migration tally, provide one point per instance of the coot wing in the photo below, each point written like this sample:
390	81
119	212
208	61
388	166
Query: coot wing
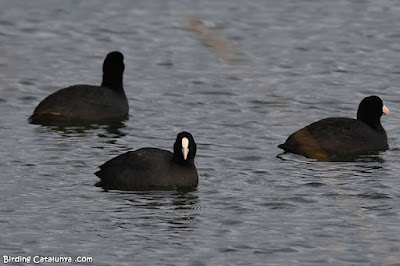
141	168
337	136
82	102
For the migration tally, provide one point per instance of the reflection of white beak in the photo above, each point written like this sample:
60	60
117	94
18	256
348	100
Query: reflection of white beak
385	110
185	148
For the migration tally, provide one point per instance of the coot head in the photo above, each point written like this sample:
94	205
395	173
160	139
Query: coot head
184	148
113	69
370	111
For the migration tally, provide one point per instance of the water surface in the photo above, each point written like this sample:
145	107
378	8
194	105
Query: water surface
303	61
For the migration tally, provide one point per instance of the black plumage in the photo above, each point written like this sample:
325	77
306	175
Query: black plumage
337	138
152	168
88	103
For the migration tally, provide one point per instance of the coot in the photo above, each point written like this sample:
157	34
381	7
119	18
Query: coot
87	103
336	138
152	168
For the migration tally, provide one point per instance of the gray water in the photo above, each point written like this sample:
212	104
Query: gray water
302	61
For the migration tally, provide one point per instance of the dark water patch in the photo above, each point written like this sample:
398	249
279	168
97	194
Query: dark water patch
249	158
267	103
199	82
166	63
276	250
379	207
315	184
301	199
27	99
278	205
28	82
216	93
374	195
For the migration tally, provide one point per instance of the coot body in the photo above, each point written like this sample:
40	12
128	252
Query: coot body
152	168
88	103
337	138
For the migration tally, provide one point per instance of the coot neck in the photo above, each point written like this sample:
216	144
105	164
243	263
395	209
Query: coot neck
113	82
374	122
179	159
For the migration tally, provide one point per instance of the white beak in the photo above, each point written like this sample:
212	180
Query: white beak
185	152
385	110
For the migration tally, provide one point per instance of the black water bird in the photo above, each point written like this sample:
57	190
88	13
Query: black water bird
88	103
152	168
336	138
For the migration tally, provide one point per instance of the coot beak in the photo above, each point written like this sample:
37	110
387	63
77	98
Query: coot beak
185	152
385	110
